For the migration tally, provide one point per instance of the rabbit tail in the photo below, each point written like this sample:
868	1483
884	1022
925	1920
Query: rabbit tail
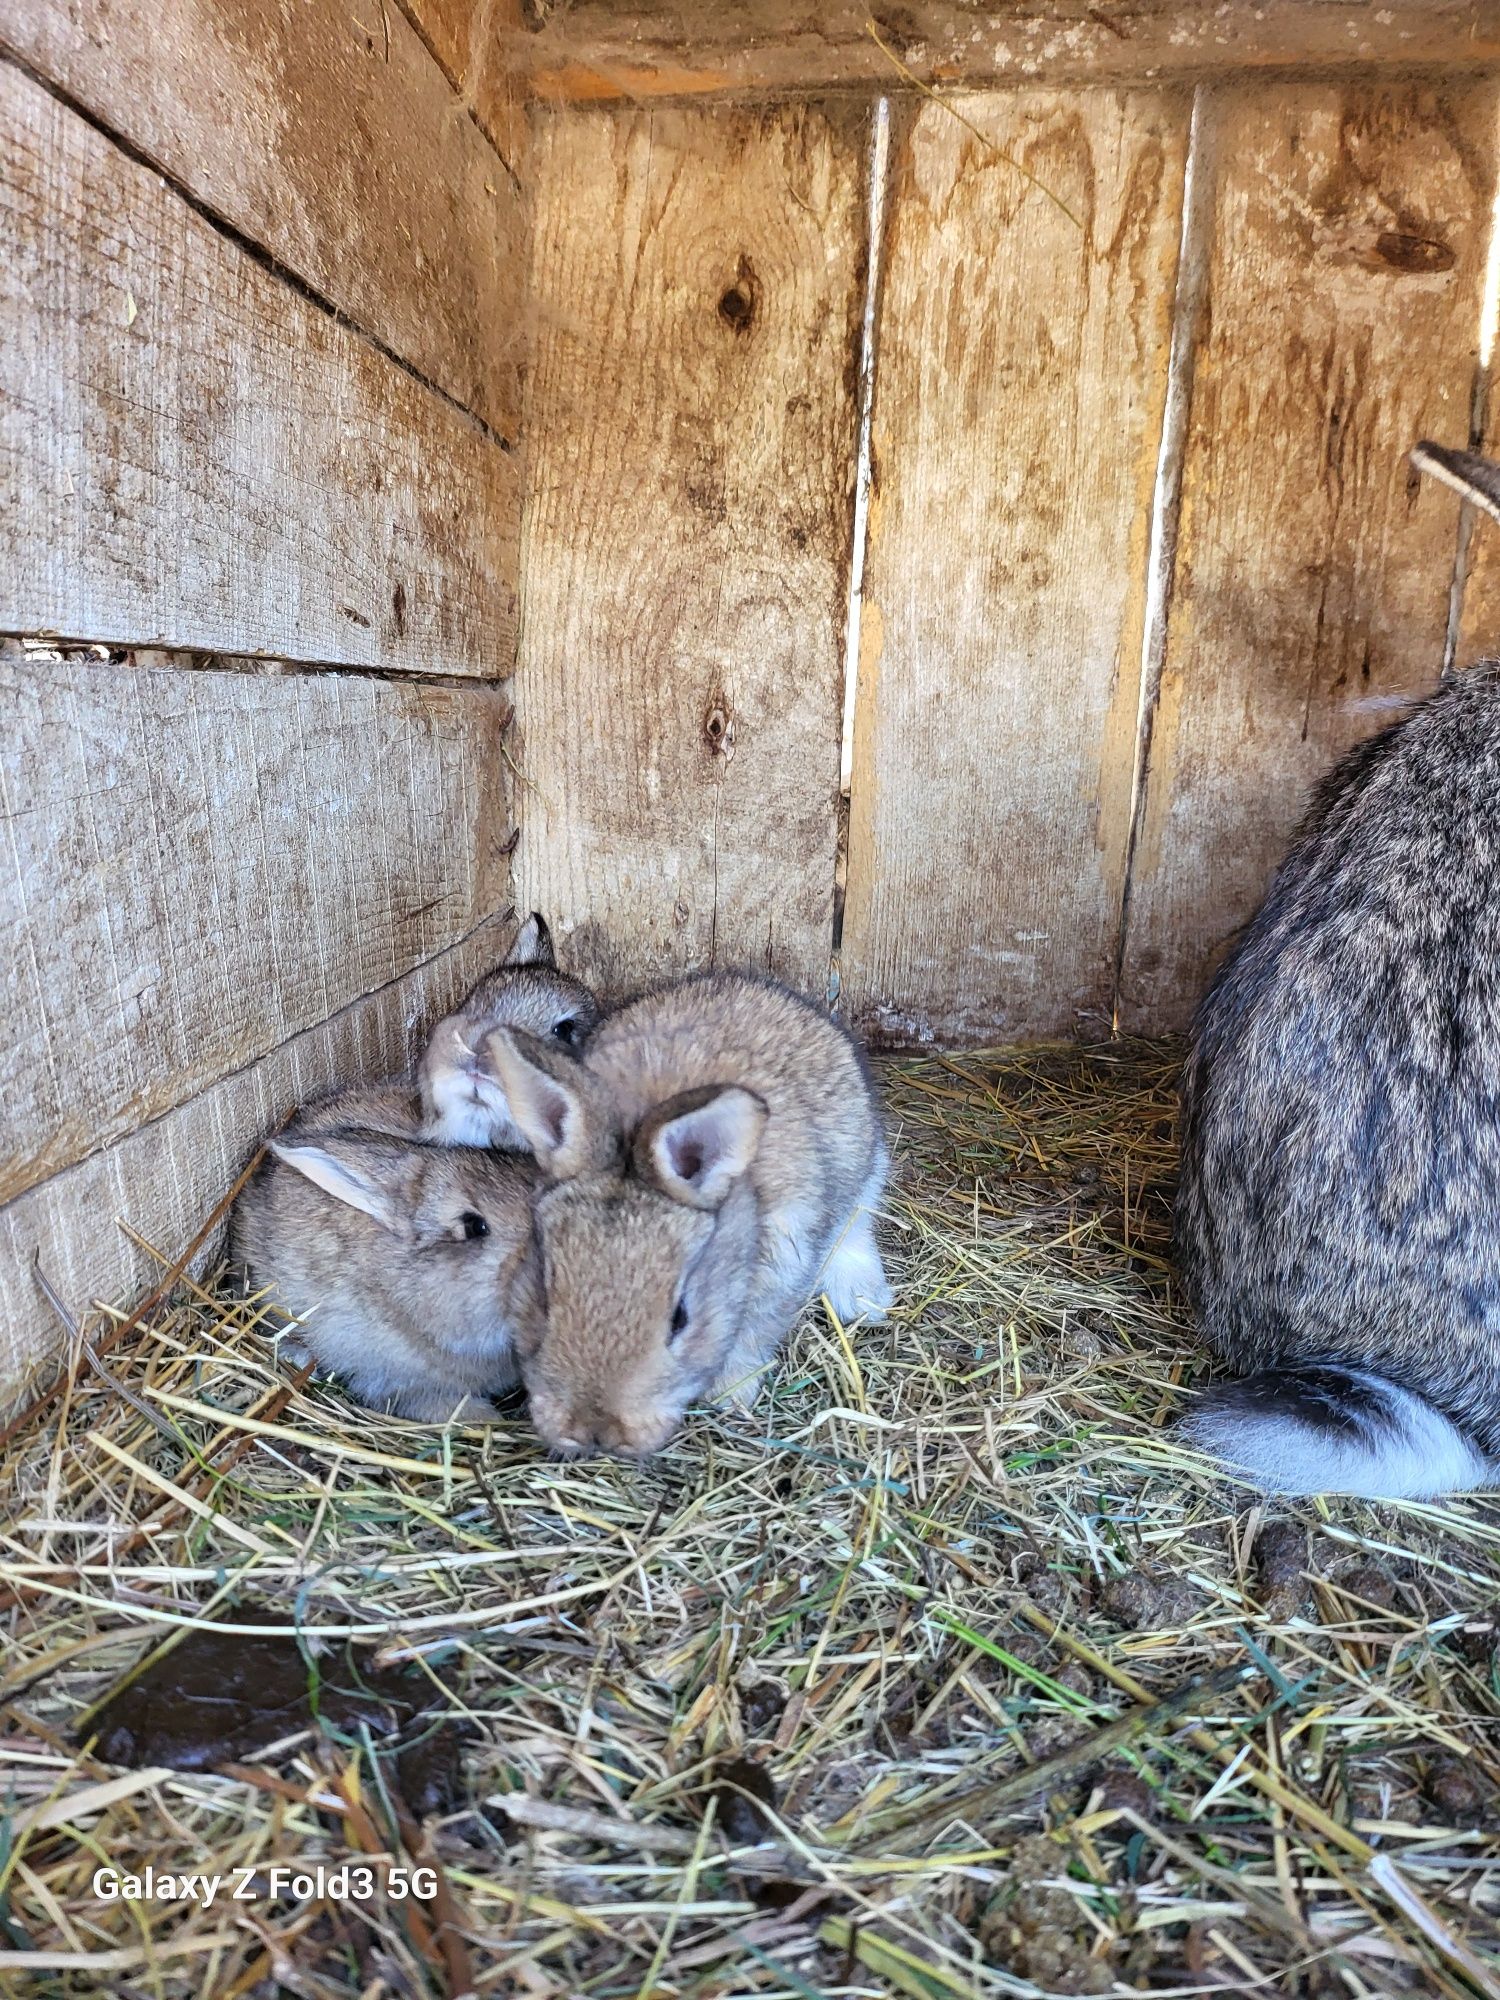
1333	1429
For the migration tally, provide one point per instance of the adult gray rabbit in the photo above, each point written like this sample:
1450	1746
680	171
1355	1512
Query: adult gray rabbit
1338	1220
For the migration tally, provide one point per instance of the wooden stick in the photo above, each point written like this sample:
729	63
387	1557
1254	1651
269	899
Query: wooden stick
1005	1794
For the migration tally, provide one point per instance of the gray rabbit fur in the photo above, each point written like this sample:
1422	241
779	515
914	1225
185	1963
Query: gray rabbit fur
712	1161
1338	1218
406	1263
386	1223
462	1104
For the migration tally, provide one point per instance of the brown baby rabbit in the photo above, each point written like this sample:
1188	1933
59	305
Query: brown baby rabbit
711	1162
1338	1222
461	1100
410	1261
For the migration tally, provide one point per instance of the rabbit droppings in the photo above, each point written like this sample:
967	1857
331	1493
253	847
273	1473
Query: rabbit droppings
380	1216
462	1104
712	1160
1338	1220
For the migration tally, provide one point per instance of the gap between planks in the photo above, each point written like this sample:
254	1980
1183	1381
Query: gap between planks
877	190
1194	246
1479	423
248	247
126	655
466	87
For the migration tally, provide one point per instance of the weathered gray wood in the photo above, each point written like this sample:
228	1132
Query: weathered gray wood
1313	568
693	442
1020	382
590	50
192	455
200	864
329	135
166	1178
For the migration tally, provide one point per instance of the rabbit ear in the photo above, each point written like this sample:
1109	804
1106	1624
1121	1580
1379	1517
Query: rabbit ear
371	1177
1476	478
544	1099
696	1145
533	945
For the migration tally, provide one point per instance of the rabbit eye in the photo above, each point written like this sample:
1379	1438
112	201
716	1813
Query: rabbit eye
679	1318
474	1225
566	1031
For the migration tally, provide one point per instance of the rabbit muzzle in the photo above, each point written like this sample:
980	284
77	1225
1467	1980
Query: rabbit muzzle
580	1429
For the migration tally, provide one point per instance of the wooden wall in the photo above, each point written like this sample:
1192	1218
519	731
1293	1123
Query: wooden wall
1143	552
260	471
285	291
698	280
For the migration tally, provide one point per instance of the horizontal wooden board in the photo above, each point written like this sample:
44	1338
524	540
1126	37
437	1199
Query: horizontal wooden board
331	137
698	292
1313	568
200	864
166	1178
593	49
192	455
1031	251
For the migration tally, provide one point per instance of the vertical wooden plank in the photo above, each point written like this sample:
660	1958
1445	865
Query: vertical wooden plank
1021	365
1478	634
1313	568
698	293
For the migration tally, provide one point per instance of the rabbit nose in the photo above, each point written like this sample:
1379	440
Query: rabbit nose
635	1438
594	1431
577	1432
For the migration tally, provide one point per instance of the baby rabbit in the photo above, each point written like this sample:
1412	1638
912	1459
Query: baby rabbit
462	1104
411	1261
1338	1221
709	1164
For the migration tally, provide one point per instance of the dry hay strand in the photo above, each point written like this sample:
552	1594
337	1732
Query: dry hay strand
949	1675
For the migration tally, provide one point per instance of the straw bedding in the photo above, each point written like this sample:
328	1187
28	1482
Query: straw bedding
948	1675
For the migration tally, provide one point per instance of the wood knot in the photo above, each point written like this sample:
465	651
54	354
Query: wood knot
1422	254
739	301
718	728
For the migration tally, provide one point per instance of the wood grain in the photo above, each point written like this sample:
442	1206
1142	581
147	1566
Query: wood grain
698	288
328	135
191	455
1313	568
199	864
595	49
1477	633
165	1178
1020	379
480	45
